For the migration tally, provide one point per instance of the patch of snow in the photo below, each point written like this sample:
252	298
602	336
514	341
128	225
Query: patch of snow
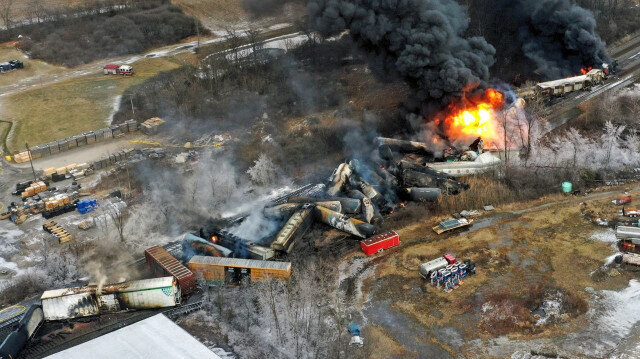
608	236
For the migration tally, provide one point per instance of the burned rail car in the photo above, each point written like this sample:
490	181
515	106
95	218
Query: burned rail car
69	303
17	339
219	270
162	264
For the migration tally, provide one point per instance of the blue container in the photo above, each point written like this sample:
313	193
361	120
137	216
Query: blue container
87	205
463	270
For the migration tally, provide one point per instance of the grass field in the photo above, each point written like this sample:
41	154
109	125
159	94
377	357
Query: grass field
72	106
31	67
544	244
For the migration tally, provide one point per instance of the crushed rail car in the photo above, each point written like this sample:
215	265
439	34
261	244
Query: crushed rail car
17	339
162	264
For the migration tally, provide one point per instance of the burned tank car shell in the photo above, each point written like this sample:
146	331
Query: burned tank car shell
17	340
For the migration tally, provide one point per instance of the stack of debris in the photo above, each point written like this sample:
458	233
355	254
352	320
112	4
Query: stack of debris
151	126
58	231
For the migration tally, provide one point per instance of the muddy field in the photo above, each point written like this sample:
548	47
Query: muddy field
542	285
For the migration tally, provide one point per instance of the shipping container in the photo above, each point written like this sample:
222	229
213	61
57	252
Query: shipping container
220	270
380	242
162	263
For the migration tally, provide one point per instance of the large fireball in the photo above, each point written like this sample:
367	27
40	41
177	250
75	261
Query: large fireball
474	115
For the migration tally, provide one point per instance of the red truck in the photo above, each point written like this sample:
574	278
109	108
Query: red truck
380	242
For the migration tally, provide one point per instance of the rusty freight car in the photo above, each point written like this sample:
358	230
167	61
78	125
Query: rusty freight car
162	263
219	270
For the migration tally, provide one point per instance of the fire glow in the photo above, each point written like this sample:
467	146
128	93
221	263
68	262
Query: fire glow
474	116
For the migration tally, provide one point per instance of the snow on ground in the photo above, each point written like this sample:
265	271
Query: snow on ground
622	309
608	235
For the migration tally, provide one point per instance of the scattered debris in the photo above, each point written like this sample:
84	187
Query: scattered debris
452	224
87	224
489	208
623	200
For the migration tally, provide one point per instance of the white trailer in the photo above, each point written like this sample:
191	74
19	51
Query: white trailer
432	266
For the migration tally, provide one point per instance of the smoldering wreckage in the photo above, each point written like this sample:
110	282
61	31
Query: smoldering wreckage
354	200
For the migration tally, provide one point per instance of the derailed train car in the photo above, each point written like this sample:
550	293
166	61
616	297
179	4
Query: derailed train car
69	303
17	340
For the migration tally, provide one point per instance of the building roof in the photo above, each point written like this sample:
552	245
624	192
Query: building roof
111	66
155	337
238	262
125	67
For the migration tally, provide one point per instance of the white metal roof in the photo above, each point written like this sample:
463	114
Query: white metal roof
155	337
125	67
238	262
562	82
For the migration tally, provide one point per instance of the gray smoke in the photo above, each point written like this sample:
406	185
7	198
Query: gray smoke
558	37
423	40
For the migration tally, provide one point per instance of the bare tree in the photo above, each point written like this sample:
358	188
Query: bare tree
118	219
255	41
6	12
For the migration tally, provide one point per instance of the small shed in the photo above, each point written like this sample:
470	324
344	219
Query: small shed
110	69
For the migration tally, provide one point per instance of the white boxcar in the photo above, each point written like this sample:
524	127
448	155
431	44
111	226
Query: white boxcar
68	303
149	293
71	303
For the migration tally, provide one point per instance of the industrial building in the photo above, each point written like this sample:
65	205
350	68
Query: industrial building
154	337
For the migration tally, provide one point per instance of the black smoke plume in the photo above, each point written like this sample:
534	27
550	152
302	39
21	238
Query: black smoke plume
422	40
553	38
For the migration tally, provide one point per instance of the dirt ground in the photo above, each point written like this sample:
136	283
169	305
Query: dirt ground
542	254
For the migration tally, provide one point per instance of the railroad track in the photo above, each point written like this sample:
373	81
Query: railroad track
100	327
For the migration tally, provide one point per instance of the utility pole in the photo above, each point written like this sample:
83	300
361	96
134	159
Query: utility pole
35	178
132	109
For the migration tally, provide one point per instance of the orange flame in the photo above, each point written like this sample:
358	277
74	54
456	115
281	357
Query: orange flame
214	239
585	70
474	116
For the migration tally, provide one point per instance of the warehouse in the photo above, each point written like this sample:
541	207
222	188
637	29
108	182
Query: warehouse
219	270
155	337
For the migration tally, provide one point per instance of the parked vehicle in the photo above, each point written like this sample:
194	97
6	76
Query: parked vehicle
356	339
125	70
162	264
11	65
114	69
380	242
